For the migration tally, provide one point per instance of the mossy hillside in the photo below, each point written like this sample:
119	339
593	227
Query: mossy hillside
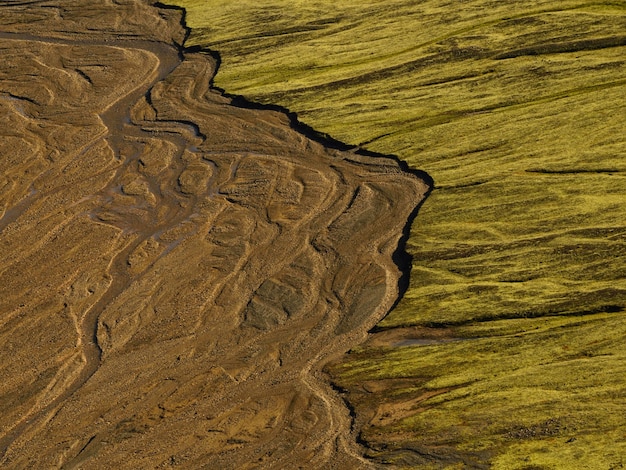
517	112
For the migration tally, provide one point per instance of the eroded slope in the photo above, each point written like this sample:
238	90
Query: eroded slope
174	270
508	347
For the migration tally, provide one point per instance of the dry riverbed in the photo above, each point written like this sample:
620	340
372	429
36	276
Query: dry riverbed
175	270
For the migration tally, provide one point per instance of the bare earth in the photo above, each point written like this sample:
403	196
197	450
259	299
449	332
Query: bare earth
175	271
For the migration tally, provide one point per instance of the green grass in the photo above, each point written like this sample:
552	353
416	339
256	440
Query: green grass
517	110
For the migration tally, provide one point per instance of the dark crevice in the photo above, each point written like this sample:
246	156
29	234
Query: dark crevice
22	98
86	445
378	137
565	47
190	125
460	186
19	3
573	172
84	75
401	257
343	394
610	308
183	23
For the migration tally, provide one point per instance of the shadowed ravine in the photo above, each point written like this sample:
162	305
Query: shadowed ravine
175	270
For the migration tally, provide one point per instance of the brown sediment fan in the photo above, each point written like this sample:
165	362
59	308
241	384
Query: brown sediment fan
174	270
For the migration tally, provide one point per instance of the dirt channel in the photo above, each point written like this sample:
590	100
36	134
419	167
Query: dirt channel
175	270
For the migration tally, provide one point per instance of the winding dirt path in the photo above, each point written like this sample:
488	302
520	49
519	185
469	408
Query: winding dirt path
177	270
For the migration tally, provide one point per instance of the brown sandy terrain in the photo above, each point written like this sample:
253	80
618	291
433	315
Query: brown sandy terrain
174	270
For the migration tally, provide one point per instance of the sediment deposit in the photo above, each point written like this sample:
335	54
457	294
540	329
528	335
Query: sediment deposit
175	270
